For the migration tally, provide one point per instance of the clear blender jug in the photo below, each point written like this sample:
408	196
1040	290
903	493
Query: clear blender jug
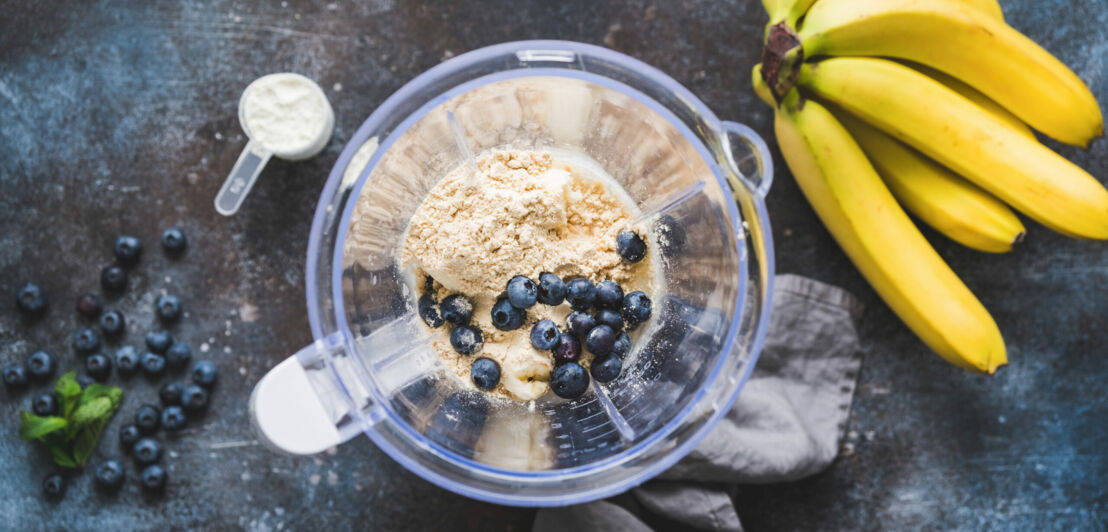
699	185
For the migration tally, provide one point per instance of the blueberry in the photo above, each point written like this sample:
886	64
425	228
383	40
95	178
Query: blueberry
127	249
544	335
153	364
147	451
609	295
522	292
622	346
204	373
128	435
580	323
194	398
601	340
173	418
170	393
126	359
485	373
178	355
153	478
90	306
112	323
606	369
168	307
467	339
456	309
110	474
44	404
15	375
429	310
98	366
113	278
507	317
636	308
569	381
610	318
147	418
31	299
86	341
552	291
630	246
158	341
174	240
40	364
53	485
568	348
580	293
671	234
84	381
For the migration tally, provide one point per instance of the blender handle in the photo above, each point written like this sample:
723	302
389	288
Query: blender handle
748	157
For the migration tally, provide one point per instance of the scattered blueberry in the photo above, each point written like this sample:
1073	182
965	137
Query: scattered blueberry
429	310
485	373
522	292
153	364
569	381
44	404
110	474
158	341
580	293
636	308
98	366
174	241
606	369
552	291
40	364
84	381
630	246
173	418
31	299
671	234
609	295
112	323
467	339
544	335
126	359
90	306
113	279
153	478
147	418
610	318
127	249
204	373
622	345
128	435
580	323
507	317
194	398
568	348
170	393
53	485
178	355
168	307
601	340
147	451
86	341
456	309
15	376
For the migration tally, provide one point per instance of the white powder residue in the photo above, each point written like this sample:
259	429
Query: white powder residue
285	112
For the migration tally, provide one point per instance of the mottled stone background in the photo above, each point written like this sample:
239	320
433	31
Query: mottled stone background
120	118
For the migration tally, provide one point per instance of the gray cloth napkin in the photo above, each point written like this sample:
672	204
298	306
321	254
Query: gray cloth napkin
786	425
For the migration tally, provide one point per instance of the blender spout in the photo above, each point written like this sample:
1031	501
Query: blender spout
747	157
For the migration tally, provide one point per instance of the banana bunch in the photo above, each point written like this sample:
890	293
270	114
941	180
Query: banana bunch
890	107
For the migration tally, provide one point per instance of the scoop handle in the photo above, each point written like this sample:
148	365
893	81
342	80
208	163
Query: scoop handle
242	178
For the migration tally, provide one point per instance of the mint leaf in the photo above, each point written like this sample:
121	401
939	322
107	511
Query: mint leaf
61	456
85	442
34	427
72	439
67	391
96	391
91	411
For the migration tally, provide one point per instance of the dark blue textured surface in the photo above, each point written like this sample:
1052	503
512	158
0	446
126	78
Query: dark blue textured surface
117	118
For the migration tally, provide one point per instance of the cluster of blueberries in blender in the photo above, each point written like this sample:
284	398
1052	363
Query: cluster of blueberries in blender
603	332
179	401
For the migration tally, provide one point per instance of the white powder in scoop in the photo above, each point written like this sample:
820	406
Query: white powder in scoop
285	112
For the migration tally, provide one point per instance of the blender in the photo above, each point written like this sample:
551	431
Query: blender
698	184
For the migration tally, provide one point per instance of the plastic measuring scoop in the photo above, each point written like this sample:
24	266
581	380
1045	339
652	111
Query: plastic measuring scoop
253	158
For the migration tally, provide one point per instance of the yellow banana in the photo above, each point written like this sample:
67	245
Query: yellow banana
950	129
976	97
953	206
760	87
958	39
881	240
790	11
